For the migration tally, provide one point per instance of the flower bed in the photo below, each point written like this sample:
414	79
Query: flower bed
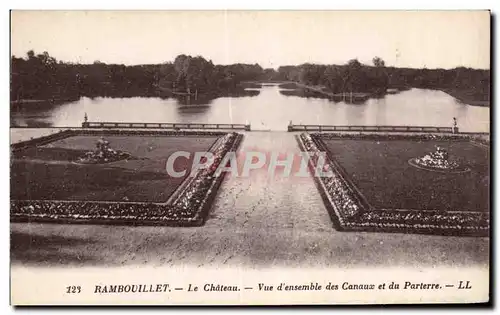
350	212
190	208
126	132
382	136
100	212
103	154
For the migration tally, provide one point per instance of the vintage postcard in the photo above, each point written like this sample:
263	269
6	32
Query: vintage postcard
249	157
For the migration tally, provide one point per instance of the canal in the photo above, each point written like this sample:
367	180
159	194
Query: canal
269	110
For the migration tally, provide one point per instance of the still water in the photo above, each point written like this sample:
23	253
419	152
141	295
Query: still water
269	110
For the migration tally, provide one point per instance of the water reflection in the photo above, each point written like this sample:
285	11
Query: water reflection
266	108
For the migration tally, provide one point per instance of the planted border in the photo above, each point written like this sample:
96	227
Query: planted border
349	211
189	208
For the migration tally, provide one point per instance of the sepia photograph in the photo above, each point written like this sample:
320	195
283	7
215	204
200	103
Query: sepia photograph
249	157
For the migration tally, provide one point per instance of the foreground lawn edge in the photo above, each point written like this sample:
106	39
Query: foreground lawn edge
349	212
188	206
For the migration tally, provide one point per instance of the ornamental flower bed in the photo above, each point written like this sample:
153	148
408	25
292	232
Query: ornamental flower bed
438	161
349	212
190	208
99	212
103	154
382	136
427	220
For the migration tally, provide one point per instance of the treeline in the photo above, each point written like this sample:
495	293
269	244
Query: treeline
466	83
41	76
469	85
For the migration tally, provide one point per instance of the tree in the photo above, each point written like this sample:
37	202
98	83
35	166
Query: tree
378	62
335	78
354	64
311	74
356	76
30	54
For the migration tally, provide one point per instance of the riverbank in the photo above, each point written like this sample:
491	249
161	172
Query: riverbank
244	90
352	97
470	97
323	90
241	90
40	102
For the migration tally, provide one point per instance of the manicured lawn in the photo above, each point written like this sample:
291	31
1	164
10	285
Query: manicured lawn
380	170
47	172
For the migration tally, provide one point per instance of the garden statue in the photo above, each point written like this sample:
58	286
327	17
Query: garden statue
455	125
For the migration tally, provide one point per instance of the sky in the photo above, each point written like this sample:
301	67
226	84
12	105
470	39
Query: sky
432	39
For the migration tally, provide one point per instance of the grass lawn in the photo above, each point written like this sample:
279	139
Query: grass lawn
380	170
48	173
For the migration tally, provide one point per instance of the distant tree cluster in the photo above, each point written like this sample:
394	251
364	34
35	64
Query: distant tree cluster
356	77
475	83
189	74
352	77
43	77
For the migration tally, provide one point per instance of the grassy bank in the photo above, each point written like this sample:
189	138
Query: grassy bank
251	85
471	97
23	103
204	96
322	92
